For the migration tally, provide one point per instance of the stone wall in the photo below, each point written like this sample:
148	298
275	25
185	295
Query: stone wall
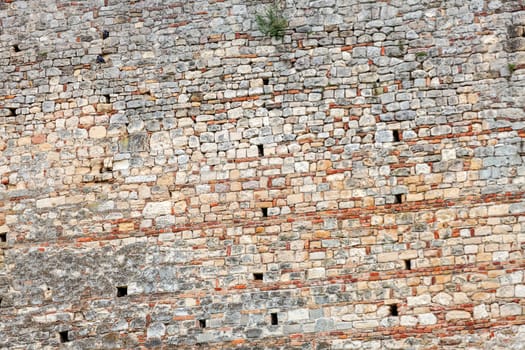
172	178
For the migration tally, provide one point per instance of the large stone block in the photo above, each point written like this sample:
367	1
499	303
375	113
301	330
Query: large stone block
156	209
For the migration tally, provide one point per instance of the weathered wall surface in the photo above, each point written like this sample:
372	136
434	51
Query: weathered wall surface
369	165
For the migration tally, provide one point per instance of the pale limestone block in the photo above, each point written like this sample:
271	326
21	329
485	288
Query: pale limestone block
498	210
451	193
155	209
299	314
457	315
510	309
391	256
442	298
427	319
418	300
500	256
179	207
422	169
50	202
317	272
408	321
367	324
235	113
520	291
461	298
505	292
480	311
97	132
448	154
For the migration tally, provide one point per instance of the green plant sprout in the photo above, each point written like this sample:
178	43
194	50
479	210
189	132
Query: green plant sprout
272	22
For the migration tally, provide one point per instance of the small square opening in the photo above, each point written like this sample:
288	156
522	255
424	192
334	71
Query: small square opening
107	97
12	111
261	150
3	237
122	291
274	319
395	135
202	323
266	81
64	336
398	198
258	276
16	48
393	310
264	212
408	264
105	34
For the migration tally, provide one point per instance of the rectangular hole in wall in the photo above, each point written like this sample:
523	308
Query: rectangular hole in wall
107	97
264	212
16	48
12	111
261	150
408	264
258	276
398	198
3	237
274	319
202	323
393	310
395	135
122	291
266	81
64	336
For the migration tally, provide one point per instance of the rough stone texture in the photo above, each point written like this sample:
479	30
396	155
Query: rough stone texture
370	165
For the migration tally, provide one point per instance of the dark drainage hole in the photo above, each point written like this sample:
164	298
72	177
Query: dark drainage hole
408	264
64	336
258	276
122	291
16	48
108	98
274	319
398	198
12	111
202	323
261	150
395	134
3	237
393	310
266	81
264	212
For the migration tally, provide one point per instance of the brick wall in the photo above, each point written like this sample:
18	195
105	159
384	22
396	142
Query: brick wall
170	177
